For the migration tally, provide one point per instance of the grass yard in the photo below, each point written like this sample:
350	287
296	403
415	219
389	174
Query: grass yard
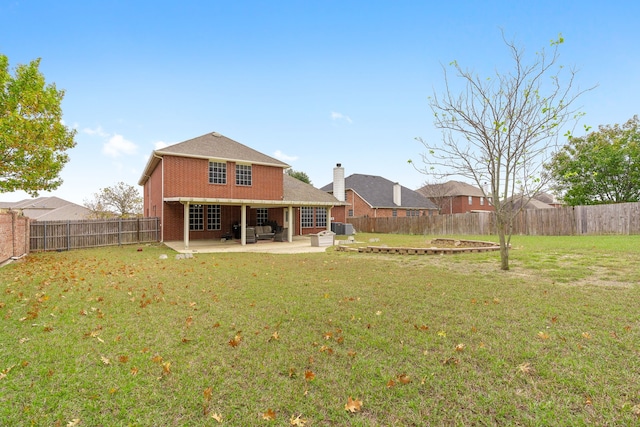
119	337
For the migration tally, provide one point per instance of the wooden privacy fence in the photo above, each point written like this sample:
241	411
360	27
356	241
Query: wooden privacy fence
621	218
66	235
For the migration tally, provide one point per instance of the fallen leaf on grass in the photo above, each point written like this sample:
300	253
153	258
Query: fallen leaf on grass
526	368
216	416
269	415
451	361
297	421
353	405
460	347
208	392
543	335
275	336
105	360
166	368
309	375
74	422
404	378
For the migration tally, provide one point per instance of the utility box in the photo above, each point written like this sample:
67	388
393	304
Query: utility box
323	238
348	229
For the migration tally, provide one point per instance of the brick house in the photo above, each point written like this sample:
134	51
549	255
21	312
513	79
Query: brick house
375	196
456	197
212	187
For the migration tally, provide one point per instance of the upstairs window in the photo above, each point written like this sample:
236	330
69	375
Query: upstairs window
243	175
481	201
470	200
217	173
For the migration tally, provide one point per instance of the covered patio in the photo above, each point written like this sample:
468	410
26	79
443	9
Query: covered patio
299	244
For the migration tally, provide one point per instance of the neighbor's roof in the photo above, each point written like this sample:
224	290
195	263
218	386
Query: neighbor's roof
378	192
450	189
211	146
49	209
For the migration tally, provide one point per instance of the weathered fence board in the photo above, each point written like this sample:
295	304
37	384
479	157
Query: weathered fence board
66	235
622	218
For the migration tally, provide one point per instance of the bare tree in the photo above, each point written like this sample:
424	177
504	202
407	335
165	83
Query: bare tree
122	200
501	130
439	194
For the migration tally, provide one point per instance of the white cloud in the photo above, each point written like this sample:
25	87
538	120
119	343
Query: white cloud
159	144
118	146
285	158
340	116
97	131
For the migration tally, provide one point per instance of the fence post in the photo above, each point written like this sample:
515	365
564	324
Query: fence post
68	234
44	238
119	231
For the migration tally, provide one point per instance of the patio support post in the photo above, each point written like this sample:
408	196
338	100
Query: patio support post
243	225
292	225
329	218
186	225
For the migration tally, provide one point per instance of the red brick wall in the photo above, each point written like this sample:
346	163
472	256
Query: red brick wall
186	177
14	235
460	204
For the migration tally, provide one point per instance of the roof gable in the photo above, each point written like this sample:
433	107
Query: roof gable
211	146
378	192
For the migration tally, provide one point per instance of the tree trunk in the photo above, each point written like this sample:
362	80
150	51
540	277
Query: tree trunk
504	248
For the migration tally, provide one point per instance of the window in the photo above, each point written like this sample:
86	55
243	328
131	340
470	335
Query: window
481	201
321	217
470	200
350	212
243	174
217	173
413	212
394	213
307	217
196	218
213	217
262	216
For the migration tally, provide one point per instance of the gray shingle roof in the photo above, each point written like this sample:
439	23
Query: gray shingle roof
451	189
50	209
298	191
378	192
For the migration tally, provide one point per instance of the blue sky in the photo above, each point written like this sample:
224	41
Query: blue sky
313	83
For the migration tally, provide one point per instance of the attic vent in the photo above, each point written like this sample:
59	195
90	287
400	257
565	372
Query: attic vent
216	134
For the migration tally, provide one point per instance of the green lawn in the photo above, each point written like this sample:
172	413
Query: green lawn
119	337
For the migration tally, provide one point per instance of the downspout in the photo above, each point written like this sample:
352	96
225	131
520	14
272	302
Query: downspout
161	195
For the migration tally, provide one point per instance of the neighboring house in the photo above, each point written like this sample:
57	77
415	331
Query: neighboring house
49	209
548	199
375	196
521	202
456	197
213	187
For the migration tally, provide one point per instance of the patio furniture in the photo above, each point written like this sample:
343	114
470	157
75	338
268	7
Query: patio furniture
264	232
281	235
251	235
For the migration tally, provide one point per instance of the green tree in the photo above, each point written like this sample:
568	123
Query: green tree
33	139
600	167
122	200
299	175
501	130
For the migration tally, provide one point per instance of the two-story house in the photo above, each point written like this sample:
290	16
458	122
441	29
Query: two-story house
456	197
210	186
375	196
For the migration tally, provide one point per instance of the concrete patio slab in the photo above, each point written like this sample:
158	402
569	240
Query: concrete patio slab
300	244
